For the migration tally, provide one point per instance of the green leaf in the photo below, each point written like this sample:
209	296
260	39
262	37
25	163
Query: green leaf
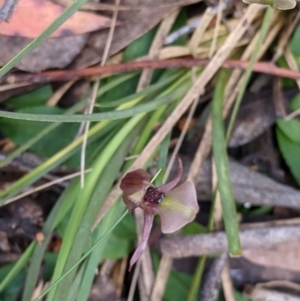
12	291
111	115
36	97
121	242
295	41
117	247
290	151
20	131
177	286
290	128
193	228
222	168
295	103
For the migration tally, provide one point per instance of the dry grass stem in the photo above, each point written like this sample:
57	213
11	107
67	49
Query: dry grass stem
285	37
293	115
275	223
8	87
156	45
227	283
134	281
58	94
196	38
121	277
216	29
44	186
164	269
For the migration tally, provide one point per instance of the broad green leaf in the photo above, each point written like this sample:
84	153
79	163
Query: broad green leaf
36	97
122	240
290	128
193	228
177	286
12	291
20	131
290	151
117	247
295	103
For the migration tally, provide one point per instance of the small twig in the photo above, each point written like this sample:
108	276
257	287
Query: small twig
197	245
65	75
7	9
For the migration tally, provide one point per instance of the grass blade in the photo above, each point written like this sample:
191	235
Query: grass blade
222	167
81	259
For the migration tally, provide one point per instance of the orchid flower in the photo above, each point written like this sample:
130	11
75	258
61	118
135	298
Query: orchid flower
176	206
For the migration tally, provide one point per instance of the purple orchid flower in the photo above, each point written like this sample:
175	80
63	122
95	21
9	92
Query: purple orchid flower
176	206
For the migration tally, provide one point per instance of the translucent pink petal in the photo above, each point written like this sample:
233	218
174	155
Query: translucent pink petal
135	181
168	186
178	208
148	221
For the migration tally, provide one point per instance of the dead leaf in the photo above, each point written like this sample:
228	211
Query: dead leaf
31	17
146	18
53	53
256	115
284	256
